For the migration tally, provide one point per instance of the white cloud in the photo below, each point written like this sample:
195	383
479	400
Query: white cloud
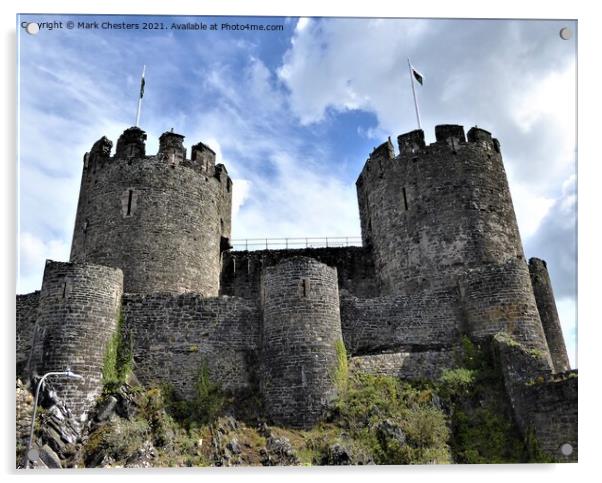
529	207
302	24
349	64
33	252
240	193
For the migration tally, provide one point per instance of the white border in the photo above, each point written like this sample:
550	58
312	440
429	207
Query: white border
589	83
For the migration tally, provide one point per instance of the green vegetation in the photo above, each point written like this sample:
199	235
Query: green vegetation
341	372
482	426
464	417
393	421
118	360
207	404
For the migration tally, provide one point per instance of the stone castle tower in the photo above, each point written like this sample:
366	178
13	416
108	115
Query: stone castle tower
163	219
441	260
441	216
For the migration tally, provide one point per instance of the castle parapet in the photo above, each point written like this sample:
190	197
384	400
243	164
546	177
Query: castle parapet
204	156
451	134
131	144
385	150
411	142
171	147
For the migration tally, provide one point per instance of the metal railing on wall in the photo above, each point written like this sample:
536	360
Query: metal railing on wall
295	242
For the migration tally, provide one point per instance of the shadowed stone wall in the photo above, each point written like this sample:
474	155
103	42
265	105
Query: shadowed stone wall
27	314
500	298
173	336
401	323
241	275
301	326
545	405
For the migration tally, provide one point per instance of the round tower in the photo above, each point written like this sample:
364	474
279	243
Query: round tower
78	314
163	219
433	211
546	304
300	335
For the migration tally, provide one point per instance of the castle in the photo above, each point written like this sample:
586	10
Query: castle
441	259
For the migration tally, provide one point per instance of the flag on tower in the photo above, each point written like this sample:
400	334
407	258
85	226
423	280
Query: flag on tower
417	75
142	82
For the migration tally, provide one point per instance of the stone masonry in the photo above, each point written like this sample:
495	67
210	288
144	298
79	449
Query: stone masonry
301	326
163	219
441	259
546	305
77	315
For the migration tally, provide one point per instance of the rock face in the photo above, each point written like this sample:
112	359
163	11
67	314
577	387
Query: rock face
57	437
279	452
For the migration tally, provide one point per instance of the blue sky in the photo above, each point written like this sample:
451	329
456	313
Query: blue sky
293	114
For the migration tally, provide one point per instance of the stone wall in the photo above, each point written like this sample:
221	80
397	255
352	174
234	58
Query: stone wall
161	219
433	211
545	405
79	307
173	336
423	321
428	364
241	275
301	328
499	297
546	305
27	314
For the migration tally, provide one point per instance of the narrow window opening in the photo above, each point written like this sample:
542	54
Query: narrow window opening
221	224
64	289
305	287
405	199
130	195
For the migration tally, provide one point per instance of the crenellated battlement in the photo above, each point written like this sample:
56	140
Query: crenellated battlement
131	147
449	139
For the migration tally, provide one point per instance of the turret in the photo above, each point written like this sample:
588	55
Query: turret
162	219
440	216
301	334
546	304
433	211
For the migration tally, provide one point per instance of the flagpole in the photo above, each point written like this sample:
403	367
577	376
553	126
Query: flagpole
140	99
414	94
